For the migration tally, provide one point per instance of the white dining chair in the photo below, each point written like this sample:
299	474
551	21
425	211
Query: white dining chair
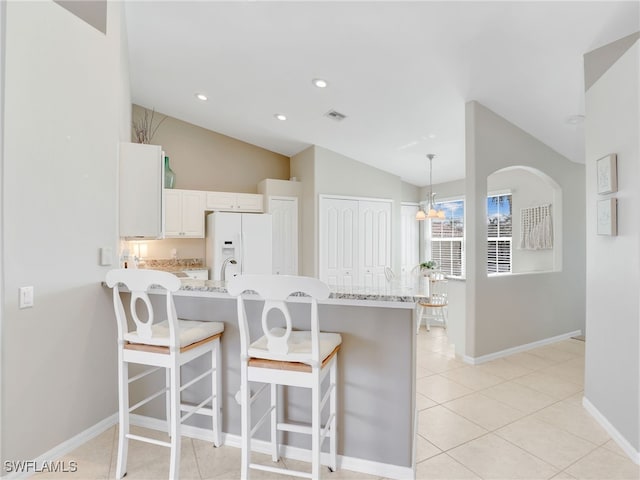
160	340
435	306
284	356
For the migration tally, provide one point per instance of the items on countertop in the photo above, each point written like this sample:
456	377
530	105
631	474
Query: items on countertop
173	264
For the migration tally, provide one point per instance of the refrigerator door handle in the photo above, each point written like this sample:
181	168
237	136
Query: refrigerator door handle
240	253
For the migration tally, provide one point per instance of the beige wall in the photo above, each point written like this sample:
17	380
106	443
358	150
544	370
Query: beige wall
324	172
613	262
410	193
206	160
494	143
303	168
67	97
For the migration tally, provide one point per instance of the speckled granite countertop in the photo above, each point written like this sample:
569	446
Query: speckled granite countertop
339	295
173	265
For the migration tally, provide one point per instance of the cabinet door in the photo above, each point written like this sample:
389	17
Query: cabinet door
140	190
192	214
172	213
410	241
198	274
374	235
221	201
338	241
284	211
249	202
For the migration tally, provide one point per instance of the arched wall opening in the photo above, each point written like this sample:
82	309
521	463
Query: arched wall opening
536	239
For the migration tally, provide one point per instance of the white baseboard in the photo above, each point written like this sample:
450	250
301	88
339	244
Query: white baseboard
611	430
349	463
64	448
519	348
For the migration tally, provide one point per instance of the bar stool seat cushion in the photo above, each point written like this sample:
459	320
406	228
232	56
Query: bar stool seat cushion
191	331
299	346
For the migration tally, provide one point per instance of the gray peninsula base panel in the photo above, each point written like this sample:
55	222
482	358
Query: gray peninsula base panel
376	372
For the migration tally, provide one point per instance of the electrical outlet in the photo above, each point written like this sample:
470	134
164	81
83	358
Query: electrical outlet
26	297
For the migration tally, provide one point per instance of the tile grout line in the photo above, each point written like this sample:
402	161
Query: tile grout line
530	414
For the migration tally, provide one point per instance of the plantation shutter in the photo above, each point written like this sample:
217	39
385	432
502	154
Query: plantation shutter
447	238
499	233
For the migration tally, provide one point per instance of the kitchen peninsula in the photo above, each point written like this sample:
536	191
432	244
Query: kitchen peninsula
376	391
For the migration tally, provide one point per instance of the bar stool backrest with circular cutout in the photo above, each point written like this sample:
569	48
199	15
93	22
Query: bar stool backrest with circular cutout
284	356
160	340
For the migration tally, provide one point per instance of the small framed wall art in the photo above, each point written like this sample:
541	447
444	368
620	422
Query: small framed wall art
606	171
607	217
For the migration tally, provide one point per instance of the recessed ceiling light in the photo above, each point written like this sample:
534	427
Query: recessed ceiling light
320	83
280	116
202	96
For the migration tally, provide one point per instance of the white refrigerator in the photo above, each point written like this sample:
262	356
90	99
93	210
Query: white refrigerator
238	243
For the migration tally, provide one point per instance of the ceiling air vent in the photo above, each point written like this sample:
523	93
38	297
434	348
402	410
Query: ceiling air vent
334	115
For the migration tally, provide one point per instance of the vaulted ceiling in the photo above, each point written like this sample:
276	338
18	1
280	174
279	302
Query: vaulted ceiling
401	72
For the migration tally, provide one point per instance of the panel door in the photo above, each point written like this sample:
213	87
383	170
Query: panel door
374	234
410	240
284	211
338	260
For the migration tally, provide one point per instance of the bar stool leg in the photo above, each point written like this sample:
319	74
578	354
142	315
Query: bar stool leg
174	465
333	412
420	313
216	384
167	373
245	423
274	423
123	418
315	425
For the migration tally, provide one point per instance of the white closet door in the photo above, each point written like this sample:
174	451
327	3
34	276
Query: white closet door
374	242
338	241
285	234
410	247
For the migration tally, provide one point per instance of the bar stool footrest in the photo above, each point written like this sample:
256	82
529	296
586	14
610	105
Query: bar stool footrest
282	471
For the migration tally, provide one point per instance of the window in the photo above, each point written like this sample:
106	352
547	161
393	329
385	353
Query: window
447	238
499	234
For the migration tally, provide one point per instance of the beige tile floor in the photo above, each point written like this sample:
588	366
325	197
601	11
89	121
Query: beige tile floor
518	417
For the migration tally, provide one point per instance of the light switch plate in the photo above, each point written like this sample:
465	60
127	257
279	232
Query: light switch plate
105	256
26	297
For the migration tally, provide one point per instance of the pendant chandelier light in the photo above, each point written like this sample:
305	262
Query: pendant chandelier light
431	211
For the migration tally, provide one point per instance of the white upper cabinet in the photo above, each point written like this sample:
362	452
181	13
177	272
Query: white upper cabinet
140	190
184	213
234	202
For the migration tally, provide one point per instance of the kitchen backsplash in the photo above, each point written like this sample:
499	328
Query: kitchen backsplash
178	248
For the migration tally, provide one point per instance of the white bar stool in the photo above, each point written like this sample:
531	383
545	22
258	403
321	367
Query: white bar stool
282	356
167	344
